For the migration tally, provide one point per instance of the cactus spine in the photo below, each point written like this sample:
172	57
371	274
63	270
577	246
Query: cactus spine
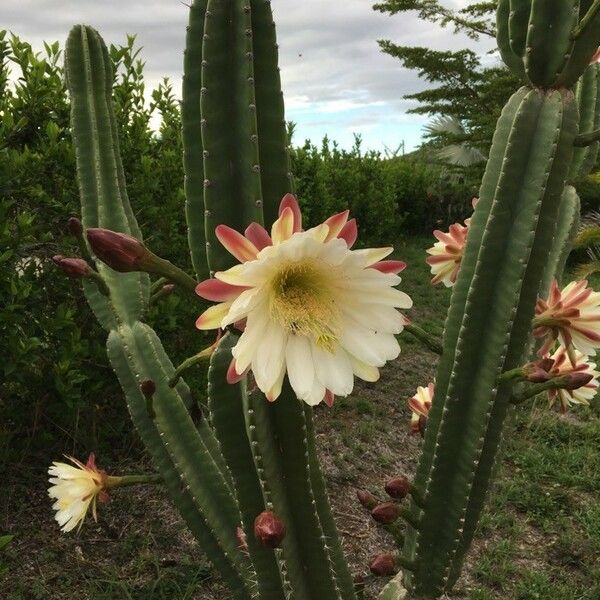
519	215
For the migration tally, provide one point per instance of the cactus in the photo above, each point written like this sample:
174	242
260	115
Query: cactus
503	271
245	476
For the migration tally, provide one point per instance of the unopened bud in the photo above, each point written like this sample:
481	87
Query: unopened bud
539	371
386	513
269	529
240	536
577	380
366	499
398	488
383	565
148	388
74	226
119	251
168	288
72	267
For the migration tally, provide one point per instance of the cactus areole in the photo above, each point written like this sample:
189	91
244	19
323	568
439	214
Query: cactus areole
247	480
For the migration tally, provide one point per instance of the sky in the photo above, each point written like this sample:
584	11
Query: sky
335	79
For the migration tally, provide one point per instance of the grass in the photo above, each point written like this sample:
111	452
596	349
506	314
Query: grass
538	539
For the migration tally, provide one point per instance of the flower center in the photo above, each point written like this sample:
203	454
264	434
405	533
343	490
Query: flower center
301	301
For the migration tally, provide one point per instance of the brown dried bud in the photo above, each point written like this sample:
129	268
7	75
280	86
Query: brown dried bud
269	529
386	513
148	387
398	488
119	251
383	565
366	499
73	267
240	536
74	226
577	380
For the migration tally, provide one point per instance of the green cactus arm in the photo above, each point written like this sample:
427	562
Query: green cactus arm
340	564
185	444
585	46
100	174
543	127
226	404
182	497
232	189
588	101
551	235
191	133
504	35
275	174
546	55
518	10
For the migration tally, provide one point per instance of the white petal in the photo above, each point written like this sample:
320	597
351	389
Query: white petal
269	357
363	370
241	306
300	366
334	370
316	395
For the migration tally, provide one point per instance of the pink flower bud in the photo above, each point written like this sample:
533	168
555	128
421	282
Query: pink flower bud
366	499
72	267
386	513
383	565
578	380
168	288
74	226
269	529
119	251
148	387
398	488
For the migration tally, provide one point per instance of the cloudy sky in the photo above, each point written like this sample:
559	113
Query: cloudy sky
335	79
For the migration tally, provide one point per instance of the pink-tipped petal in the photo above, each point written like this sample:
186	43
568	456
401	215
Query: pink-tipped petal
289	201
218	291
329	398
283	228
236	244
211	318
336	224
258	235
349	232
232	375
389	266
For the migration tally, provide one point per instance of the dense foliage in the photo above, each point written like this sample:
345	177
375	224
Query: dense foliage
466	86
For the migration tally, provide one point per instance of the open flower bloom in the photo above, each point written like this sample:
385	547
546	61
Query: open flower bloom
447	253
75	488
420	404
572	316
562	366
313	308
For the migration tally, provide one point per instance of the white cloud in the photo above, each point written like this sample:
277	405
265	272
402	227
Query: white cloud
331	65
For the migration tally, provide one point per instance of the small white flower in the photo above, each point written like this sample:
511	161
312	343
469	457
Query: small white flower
311	307
75	489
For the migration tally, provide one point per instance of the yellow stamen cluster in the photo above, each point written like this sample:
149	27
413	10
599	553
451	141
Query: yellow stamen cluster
302	303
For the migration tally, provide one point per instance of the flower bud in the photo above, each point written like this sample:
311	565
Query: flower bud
578	380
74	226
148	387
269	529
398	488
366	499
383	565
119	251
168	288
72	267
386	513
